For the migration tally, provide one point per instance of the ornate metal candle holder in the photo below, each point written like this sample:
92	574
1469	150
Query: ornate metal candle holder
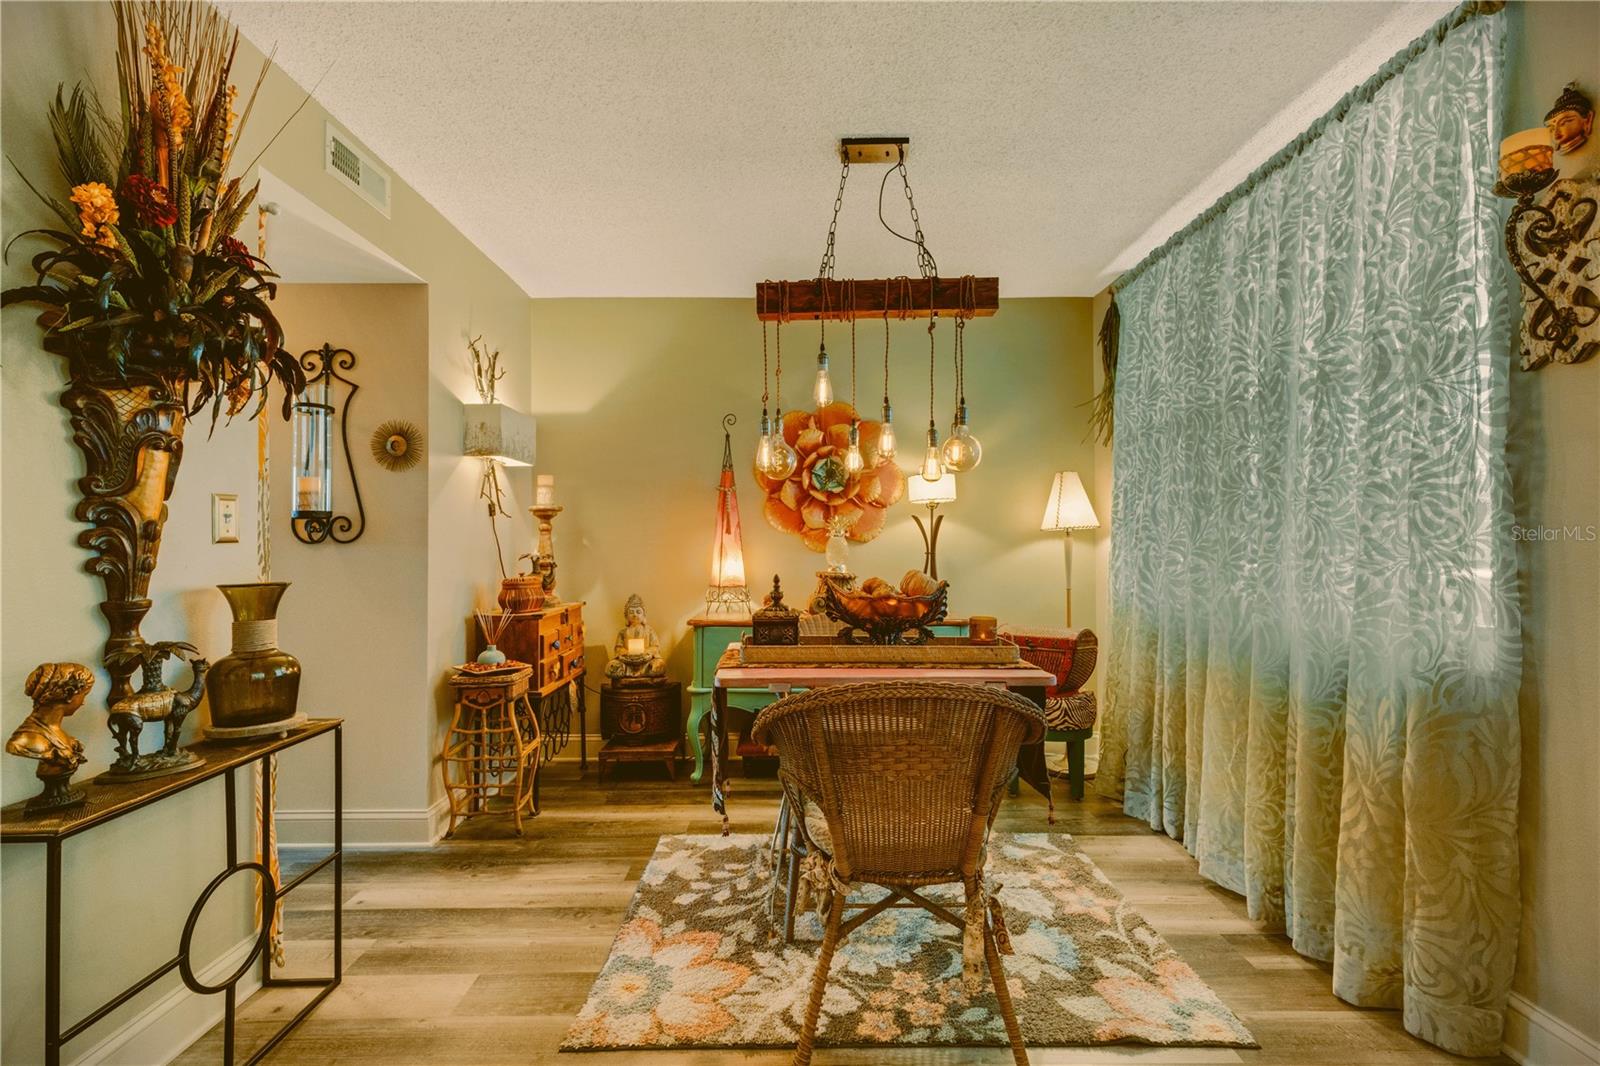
312	518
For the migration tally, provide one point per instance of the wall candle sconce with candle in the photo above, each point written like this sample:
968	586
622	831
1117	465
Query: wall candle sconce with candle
311	517
1551	242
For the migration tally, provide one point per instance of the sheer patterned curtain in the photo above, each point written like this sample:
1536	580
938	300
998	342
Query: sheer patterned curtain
1315	649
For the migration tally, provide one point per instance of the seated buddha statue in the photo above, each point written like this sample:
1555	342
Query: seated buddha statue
636	653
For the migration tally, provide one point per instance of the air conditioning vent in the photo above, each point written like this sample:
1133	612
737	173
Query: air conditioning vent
355	168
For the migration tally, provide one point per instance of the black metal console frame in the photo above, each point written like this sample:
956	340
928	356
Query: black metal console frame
18	830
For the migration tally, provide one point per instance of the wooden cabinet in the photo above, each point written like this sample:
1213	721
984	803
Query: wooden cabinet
551	641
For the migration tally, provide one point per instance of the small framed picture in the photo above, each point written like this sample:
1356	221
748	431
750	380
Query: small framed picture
224	518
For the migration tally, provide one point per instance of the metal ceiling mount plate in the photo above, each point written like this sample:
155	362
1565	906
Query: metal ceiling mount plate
890	150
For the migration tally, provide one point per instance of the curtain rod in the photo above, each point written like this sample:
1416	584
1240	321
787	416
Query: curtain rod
1361	94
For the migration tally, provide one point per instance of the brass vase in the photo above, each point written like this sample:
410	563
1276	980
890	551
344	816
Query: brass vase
257	684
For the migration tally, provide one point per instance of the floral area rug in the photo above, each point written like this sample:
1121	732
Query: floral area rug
698	963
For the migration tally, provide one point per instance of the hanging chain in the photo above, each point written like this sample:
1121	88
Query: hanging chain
925	262
826	269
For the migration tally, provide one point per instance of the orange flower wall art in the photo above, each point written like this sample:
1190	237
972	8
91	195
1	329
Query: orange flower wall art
821	490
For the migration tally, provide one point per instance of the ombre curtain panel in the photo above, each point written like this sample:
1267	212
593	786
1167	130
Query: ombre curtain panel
1315	635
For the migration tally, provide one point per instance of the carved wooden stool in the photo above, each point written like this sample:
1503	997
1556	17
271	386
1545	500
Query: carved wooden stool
490	760
642	722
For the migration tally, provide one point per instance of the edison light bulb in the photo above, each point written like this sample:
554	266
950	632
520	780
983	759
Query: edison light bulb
853	463
961	451
784	460
886	443
763	461
932	463
823	392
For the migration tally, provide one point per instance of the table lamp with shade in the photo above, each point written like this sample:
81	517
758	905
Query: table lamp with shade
931	494
1068	509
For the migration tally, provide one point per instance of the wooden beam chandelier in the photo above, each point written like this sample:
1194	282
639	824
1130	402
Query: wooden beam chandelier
827	298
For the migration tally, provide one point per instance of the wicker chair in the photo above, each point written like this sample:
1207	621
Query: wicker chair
907	777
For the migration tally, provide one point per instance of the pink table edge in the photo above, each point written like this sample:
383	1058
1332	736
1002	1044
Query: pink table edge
817	676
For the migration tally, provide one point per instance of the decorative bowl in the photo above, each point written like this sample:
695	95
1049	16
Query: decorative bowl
891	619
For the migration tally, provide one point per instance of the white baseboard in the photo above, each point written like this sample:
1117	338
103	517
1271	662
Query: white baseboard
393	827
1535	1037
161	1031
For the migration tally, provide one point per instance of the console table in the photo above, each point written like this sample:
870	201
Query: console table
107	803
712	635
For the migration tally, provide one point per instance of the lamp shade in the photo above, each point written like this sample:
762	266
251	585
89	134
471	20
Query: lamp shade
1069	506
495	431
921	490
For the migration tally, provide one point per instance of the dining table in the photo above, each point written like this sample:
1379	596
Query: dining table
732	672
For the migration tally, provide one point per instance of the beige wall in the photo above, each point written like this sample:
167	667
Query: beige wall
352	612
421	535
1555	444
630	396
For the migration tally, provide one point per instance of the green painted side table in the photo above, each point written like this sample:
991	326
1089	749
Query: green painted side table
712	635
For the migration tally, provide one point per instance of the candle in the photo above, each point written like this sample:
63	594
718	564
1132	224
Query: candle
308	493
982	628
544	491
635	645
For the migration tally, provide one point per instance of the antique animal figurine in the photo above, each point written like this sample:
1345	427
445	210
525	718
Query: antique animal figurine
636	653
1571	120
57	690
155	702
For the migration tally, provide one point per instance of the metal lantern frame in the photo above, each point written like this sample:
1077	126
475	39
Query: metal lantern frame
314	414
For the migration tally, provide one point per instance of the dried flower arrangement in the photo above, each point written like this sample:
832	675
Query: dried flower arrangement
147	277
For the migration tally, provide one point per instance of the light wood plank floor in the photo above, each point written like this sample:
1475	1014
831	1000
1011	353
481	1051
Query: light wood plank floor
481	950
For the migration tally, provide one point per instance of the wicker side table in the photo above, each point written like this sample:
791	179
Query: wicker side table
490	761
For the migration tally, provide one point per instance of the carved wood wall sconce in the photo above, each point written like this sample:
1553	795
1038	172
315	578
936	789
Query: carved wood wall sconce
312	518
130	431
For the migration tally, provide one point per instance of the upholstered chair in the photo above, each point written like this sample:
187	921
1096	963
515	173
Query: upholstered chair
1070	713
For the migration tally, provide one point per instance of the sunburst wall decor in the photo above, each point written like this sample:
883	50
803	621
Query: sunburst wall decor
397	445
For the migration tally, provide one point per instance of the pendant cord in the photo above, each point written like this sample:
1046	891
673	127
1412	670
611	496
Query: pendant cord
765	377
933	320
850	301
886	342
777	334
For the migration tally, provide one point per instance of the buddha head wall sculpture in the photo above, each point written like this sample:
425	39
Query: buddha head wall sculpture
1571	120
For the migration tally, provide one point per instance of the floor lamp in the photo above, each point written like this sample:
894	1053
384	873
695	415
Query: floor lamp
1067	510
931	494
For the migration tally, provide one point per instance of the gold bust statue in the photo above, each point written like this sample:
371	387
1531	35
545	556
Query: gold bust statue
57	690
636	653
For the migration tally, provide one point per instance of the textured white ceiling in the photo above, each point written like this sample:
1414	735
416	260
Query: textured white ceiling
685	149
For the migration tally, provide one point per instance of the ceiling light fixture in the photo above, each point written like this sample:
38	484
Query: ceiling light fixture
827	297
